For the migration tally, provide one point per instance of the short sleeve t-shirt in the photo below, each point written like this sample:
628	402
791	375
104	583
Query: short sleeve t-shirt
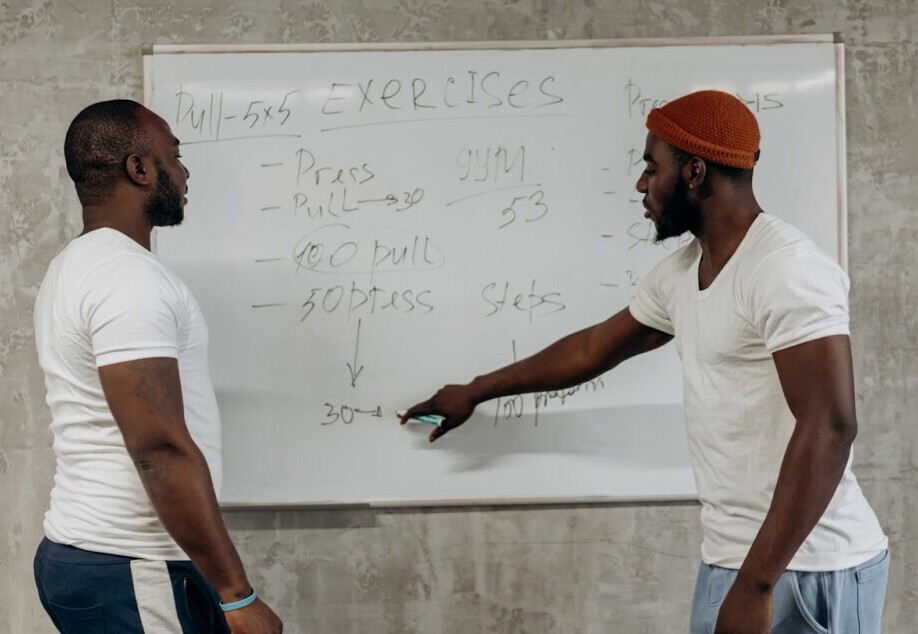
777	290
105	300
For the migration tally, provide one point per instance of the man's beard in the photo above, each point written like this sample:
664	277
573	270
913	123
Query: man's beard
678	214
164	207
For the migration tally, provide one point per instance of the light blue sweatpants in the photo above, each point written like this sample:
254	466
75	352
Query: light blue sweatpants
838	602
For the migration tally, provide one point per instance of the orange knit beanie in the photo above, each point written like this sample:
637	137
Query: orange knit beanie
710	124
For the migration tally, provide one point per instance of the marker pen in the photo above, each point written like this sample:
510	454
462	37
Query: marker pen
430	420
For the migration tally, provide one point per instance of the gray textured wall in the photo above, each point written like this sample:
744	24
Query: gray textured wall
560	569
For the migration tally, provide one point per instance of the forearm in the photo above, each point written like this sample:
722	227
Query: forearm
813	465
576	358
177	480
560	365
567	362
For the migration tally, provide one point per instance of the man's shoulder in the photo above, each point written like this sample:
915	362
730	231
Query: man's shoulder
777	244
774	234
102	243
104	272
106	253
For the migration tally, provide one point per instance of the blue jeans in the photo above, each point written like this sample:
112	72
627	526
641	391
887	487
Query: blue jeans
838	602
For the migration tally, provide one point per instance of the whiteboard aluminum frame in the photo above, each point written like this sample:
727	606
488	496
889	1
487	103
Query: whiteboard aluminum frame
817	38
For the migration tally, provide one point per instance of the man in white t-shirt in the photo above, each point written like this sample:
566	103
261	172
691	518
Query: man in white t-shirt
760	320
134	539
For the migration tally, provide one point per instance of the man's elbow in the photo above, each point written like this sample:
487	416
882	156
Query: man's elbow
150	457
842	428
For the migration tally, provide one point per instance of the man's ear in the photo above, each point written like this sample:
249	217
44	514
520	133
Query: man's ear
138	169
694	172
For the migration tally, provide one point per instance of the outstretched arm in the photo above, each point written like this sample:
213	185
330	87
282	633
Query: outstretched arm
818	383
145	397
574	359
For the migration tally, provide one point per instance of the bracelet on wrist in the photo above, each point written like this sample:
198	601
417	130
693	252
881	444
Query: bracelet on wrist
238	605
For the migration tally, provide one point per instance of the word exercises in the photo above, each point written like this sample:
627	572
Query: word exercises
366	225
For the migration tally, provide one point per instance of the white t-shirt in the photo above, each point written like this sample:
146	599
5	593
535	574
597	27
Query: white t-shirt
104	300
777	290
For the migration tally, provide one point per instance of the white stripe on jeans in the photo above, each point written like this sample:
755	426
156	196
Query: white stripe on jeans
155	601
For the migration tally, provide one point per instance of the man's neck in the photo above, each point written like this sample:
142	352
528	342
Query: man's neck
725	224
113	216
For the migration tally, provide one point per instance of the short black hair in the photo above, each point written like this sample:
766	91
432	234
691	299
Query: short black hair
735	174
98	141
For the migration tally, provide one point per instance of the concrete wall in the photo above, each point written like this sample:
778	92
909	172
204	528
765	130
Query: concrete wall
560	569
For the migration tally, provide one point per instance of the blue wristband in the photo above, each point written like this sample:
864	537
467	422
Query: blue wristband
238	605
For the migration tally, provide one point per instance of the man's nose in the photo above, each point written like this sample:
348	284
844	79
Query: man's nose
641	184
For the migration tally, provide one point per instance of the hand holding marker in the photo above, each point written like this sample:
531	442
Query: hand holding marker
446	410
438	422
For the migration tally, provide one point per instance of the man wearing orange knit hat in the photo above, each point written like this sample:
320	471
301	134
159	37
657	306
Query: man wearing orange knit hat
760	320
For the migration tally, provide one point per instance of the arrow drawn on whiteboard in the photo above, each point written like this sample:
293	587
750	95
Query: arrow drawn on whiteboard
351	368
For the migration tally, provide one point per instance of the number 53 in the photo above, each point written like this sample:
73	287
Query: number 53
532	209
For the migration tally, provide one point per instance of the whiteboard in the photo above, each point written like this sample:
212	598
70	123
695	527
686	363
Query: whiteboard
365	225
